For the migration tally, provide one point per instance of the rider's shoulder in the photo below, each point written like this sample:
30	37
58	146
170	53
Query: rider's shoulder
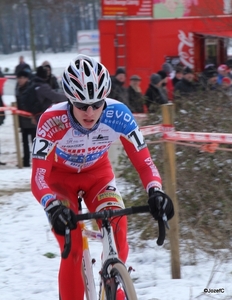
58	110
115	105
59	106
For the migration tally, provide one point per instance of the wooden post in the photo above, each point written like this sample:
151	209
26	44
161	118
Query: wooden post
17	140
170	189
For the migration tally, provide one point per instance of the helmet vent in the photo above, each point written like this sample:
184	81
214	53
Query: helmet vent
101	80
86	68
90	90
89	61
70	70
77	84
100	94
67	90
65	77
77	63
99	69
80	95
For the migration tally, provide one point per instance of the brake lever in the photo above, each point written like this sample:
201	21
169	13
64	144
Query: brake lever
67	243
164	216
165	219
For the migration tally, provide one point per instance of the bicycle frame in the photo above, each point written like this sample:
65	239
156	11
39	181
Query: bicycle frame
110	253
87	270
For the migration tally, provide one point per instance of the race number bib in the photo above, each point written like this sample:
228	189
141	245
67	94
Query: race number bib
137	139
41	148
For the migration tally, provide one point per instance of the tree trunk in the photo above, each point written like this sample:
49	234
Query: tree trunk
32	32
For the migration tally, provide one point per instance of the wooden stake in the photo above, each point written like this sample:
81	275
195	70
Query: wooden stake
170	189
17	140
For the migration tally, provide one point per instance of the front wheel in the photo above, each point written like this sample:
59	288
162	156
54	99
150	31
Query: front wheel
123	286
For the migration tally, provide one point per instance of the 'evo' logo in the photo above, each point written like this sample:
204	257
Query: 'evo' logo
120	114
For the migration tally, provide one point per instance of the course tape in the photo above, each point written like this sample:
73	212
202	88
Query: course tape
15	111
202	137
167	132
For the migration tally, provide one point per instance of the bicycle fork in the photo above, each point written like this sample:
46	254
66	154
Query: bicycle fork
109	258
87	269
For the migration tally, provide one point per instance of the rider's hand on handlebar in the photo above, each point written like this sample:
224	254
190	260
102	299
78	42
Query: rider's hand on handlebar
60	217
161	206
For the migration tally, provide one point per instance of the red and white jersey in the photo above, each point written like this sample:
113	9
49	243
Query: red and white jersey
63	144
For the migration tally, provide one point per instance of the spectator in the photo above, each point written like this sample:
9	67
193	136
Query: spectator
51	79
164	78
178	76
207	77
186	85
226	86
135	96
222	72
164	81
2	113
155	94
229	65
22	66
212	81
118	91
1	73
45	94
168	69
2	117
28	127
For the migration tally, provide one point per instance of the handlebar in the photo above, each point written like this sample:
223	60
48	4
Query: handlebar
109	213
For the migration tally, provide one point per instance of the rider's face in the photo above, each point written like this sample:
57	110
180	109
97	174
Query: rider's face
87	118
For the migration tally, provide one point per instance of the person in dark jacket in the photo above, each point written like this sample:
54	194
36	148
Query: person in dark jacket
2	118
178	76
51	79
168	69
28	127
1	73
45	94
186	85
118	91
155	94
208	79
22	66
135	96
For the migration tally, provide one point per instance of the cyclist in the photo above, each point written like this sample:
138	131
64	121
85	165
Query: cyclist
70	155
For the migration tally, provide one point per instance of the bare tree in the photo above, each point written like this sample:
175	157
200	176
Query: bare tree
44	24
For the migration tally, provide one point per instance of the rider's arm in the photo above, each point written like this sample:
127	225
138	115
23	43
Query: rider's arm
139	155
41	168
43	153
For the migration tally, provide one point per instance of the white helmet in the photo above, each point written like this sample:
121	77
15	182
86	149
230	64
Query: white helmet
86	81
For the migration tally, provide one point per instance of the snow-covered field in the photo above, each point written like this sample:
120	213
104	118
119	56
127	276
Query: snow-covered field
26	273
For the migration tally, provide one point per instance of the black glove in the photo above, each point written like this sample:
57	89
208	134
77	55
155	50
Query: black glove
60	217
161	206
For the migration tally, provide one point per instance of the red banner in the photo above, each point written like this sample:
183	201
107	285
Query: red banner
139	8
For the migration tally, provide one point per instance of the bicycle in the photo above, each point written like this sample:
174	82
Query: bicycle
114	274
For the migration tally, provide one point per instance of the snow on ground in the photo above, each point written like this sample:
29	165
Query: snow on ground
26	273
57	60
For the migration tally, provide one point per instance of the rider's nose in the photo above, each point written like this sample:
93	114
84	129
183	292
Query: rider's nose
89	111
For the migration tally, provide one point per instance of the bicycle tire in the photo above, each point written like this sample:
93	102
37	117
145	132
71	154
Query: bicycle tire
122	278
